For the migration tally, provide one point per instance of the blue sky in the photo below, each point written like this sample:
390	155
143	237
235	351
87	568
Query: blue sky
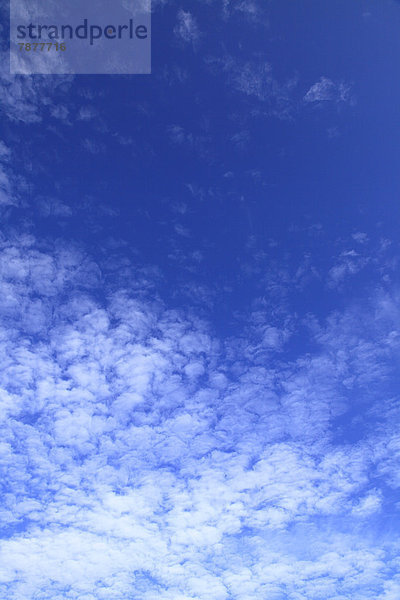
199	313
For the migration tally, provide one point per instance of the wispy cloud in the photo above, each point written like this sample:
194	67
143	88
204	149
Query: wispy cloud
25	98
255	79
186	28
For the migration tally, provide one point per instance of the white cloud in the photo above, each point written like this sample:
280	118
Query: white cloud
249	9
326	90
60	112
368	505
255	80
144	456
87	113
349	264
186	28
25	98
360	237
93	146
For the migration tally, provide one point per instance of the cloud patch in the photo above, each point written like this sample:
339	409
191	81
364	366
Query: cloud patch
143	456
326	90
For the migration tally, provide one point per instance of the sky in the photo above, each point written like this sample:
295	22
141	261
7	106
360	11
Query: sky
200	312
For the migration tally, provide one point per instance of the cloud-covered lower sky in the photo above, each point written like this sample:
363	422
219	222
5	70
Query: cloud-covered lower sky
200	314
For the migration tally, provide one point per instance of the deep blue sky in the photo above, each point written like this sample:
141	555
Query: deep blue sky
224	115
199	312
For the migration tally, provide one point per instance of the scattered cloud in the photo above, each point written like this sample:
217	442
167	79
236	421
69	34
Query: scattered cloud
326	90
60	112
181	230
25	98
87	113
349	264
360	237
249	9
93	146
50	207
166	457
145	453
7	179
255	80
186	28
